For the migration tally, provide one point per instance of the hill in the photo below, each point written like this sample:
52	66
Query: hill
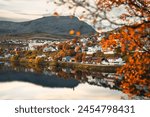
53	25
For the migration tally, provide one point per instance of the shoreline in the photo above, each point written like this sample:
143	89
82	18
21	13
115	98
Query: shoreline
90	67
74	65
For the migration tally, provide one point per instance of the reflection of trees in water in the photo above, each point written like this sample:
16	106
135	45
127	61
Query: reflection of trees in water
92	78
108	80
140	88
11	73
21	67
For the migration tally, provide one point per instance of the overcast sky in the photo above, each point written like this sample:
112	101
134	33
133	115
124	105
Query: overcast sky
20	10
24	10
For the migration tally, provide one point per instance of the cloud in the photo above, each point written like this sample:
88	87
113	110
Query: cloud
12	16
23	9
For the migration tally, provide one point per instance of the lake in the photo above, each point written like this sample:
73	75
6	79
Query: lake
37	82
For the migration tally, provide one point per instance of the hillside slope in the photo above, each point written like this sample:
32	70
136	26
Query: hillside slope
50	25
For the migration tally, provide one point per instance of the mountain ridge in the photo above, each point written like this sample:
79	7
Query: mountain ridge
50	25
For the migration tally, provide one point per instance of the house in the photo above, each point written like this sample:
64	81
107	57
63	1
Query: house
95	60
119	61
84	49
104	61
66	59
84	41
1	63
113	61
116	61
1	57
33	46
8	55
90	50
109	52
49	49
35	43
93	49
41	56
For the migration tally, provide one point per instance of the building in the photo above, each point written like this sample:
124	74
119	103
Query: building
66	59
49	49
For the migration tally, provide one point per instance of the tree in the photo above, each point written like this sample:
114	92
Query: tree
14	58
131	36
78	57
60	46
39	60
66	46
70	52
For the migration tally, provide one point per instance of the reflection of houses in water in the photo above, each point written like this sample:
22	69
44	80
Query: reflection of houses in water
8	74
8	67
61	78
57	77
103	81
93	78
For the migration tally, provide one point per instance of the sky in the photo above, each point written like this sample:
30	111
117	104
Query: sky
21	10
25	10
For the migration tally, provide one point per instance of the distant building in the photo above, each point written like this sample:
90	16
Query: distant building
66	59
49	49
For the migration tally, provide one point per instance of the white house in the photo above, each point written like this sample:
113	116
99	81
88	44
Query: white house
49	49
84	40
114	61
32	46
109	52
35	43
104	61
41	56
94	49
119	61
8	55
1	57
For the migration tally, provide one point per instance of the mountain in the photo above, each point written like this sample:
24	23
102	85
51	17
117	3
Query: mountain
60	25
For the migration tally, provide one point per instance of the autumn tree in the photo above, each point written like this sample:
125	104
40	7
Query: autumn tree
78	57
14	58
75	40
70	52
39	60
66	46
60	46
131	36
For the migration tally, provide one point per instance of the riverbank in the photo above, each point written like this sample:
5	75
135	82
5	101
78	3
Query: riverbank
90	67
74	65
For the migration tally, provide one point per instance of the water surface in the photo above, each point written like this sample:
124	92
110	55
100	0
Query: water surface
36	82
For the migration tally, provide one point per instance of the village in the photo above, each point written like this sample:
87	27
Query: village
85	50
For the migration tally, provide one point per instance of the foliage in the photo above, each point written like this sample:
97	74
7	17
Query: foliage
132	38
39	60
14	58
78	57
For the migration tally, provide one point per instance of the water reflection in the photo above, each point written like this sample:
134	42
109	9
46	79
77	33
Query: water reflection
57	83
54	76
